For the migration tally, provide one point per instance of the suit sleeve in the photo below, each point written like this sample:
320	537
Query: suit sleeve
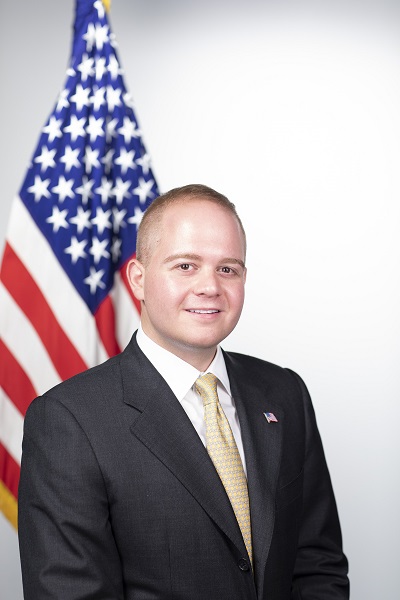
321	567
66	542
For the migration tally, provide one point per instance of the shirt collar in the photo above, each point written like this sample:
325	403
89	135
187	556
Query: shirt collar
180	375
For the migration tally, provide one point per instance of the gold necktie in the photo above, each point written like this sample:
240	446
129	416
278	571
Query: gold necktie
221	447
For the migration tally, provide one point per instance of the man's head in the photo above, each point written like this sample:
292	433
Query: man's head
149	229
189	274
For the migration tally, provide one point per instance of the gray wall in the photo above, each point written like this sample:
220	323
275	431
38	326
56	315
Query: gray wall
294	113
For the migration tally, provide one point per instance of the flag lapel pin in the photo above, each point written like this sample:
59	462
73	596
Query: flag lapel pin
271	418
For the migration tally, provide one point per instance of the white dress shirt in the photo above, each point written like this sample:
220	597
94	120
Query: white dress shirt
181	377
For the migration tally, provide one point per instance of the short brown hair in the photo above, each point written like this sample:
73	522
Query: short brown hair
153	214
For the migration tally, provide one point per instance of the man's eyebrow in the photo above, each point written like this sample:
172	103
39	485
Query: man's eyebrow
234	261
189	256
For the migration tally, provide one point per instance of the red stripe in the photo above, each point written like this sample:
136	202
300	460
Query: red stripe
15	381
124	278
105	321
9	471
26	293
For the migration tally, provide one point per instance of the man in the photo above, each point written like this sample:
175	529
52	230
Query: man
176	470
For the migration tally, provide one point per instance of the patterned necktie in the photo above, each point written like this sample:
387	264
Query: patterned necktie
221	447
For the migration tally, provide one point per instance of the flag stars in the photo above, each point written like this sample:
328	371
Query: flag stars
40	188
86	67
143	190
64	188
98	98
105	190
100	68
129	100
98	5
113	41
113	97
137	217
94	280
76	249
90	37
107	161
125	160
95	128
46	158
70	158
120	190
113	67
76	128
85	190
81	220
98	250
116	249
101	35
111	125
81	97
91	159
96	35
118	219
62	101
129	130
102	220
90	170
144	162
58	219
53	128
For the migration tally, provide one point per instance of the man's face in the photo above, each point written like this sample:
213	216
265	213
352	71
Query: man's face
192	287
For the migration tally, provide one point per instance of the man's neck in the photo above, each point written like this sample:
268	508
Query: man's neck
198	358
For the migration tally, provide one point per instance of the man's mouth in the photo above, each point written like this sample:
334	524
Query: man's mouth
200	311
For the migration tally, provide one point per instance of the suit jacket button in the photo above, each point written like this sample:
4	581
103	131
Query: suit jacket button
243	564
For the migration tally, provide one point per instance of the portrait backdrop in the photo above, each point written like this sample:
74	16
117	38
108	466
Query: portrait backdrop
293	111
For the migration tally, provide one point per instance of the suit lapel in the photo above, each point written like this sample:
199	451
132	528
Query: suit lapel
162	425
262	448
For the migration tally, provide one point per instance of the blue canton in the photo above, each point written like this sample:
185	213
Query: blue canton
90	179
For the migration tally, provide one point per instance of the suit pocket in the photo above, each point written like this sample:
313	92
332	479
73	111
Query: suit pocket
289	492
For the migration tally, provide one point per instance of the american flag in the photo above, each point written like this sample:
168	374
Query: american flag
65	304
271	418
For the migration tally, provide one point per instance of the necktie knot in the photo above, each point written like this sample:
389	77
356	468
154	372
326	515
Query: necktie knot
206	386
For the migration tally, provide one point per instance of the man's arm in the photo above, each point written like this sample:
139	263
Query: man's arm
321	567
66	542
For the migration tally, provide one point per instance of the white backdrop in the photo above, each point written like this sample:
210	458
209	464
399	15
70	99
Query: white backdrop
293	110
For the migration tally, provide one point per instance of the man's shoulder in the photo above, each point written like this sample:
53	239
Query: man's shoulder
251	367
245	361
90	379
97	384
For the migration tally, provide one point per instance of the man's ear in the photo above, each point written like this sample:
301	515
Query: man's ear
135	274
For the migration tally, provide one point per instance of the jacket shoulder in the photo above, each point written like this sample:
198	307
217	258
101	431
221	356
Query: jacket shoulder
264	372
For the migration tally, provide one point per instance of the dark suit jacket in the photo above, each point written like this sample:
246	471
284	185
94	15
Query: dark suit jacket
119	499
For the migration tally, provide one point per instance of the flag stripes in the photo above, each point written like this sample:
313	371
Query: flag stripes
17	385
126	319
26	293
65	301
10	473
21	338
105	322
11	435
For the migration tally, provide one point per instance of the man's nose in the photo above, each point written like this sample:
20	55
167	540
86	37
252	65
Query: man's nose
207	283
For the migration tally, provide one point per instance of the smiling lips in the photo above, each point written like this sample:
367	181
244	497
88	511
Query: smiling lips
199	311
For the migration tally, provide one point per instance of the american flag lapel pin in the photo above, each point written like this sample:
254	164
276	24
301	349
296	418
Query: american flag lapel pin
271	418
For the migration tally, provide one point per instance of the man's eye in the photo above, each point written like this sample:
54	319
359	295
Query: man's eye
184	267
227	270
